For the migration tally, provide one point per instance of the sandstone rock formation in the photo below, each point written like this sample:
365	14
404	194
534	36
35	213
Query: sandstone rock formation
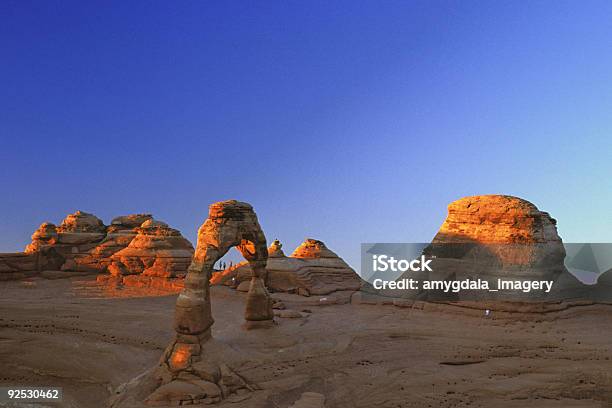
119	235
18	265
82	222
497	236
192	369
229	224
312	248
312	269
70	244
512	228
82	243
128	222
155	250
276	250
44	236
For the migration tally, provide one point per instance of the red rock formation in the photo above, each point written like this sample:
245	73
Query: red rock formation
128	222
498	236
44	236
82	243
497	219
64	246
312	269
82	222
194	368
276	250
119	235
509	230
312	248
156	250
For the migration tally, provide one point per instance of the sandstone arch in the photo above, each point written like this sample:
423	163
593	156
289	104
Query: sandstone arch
194	367
229	224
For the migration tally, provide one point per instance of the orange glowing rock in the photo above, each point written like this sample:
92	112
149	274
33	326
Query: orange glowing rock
181	355
495	237
507	230
497	219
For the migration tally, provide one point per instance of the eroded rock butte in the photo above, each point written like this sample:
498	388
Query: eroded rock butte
498	236
135	249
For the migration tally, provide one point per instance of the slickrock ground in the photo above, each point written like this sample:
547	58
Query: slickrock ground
89	338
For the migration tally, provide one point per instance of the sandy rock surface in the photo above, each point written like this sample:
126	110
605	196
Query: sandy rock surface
89	338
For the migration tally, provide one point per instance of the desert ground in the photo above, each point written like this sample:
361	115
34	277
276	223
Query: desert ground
89	338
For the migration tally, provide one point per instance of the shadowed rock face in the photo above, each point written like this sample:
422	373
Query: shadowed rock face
194	367
312	269
128	222
18	265
605	278
604	286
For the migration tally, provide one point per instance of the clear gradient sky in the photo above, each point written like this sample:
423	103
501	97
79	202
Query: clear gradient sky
344	121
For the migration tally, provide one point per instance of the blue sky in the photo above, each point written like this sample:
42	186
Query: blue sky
344	121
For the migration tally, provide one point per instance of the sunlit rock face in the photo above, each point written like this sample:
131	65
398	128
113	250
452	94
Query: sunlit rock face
155	249
82	243
497	219
497	236
312	269
69	245
82	222
505	230
311	249
119	235
81	228
510	228
44	236
276	250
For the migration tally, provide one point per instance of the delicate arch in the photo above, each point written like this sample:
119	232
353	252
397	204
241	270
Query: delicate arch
229	224
193	369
